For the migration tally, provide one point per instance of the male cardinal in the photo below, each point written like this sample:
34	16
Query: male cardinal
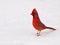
37	24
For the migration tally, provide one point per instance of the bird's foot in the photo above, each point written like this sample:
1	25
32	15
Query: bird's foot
38	34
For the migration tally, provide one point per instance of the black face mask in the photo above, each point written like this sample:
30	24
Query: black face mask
32	15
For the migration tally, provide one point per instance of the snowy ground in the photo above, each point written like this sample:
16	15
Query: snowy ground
15	22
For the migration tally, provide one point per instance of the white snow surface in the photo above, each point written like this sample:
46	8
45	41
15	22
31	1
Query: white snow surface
16	22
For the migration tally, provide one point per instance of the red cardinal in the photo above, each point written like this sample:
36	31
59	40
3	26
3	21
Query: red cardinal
37	24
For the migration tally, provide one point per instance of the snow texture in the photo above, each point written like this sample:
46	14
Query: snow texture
16	22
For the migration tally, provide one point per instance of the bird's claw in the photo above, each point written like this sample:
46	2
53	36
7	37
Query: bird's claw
38	34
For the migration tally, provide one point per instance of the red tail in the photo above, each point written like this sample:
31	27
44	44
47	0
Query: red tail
50	28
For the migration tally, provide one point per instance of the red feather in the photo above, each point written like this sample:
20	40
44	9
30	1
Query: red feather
37	24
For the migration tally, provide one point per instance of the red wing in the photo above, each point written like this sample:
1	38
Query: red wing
40	24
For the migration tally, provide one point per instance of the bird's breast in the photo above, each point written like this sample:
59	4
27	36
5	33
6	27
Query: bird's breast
35	24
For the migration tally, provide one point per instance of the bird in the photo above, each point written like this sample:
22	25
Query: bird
37	24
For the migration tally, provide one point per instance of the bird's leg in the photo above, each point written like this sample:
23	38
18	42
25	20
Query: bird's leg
38	33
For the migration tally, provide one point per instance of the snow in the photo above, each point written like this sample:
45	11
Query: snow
16	22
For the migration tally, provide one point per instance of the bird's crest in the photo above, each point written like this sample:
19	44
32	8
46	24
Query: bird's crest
34	10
